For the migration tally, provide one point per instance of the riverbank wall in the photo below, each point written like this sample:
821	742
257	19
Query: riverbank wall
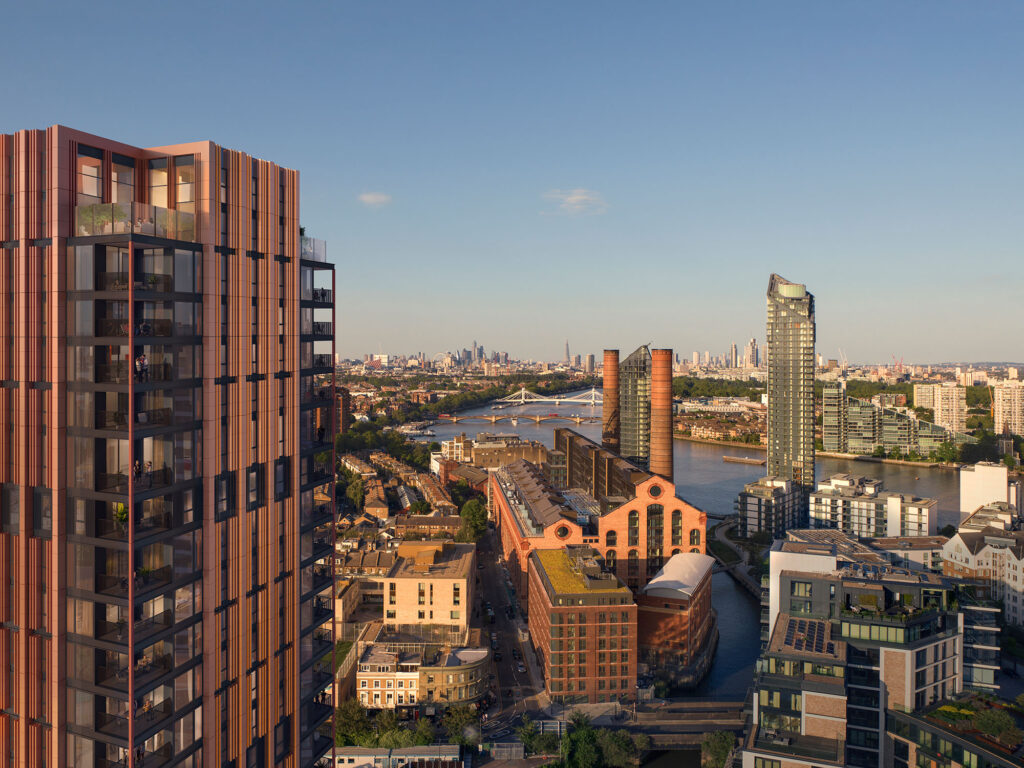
826	454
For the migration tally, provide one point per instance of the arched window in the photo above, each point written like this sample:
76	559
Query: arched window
611	539
694	537
677	527
633	560
695	550
634	528
675	552
609	559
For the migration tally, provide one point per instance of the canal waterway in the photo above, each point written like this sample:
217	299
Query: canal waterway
709	483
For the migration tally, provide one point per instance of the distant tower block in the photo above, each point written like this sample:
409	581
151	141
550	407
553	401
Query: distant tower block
610	408
661	413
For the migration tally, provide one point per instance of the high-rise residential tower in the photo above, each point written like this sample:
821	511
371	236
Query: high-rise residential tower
635	406
791	382
167	391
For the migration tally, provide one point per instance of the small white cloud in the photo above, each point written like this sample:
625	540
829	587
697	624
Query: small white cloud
375	199
576	202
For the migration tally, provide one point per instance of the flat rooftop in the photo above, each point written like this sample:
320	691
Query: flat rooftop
433	559
806	638
907	542
568	580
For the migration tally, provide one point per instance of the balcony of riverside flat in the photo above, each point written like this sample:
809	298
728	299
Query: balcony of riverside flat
317	428
134	436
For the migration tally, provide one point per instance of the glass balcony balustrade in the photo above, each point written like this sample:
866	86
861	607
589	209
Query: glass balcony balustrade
134	219
313	249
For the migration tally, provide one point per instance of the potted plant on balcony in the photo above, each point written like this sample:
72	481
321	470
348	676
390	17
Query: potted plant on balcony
121	624
121	516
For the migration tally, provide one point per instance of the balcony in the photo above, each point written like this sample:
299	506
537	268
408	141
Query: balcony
117	482
118	632
134	219
312	714
318	473
146	669
153	759
322	578
112	725
312	748
313	681
314	646
317	395
319	296
812	748
317	515
324	361
145	580
116	528
121	372
312	249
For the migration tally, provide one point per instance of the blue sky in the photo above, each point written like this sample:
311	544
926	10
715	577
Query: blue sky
611	173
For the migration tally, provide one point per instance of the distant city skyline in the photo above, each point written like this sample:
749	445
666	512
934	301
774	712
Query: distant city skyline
503	172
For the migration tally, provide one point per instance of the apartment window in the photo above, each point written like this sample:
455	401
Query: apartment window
255	486
456	594
765	762
10	519
695	537
42	513
282	739
282	478
184	183
800	589
224	496
90	175
158	182
122	188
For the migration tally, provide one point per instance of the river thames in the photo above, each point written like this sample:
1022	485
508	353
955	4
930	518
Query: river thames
711	484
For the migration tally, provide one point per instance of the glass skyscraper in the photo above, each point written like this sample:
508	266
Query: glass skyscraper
791	382
635	407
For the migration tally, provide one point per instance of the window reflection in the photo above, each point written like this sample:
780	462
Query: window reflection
90	175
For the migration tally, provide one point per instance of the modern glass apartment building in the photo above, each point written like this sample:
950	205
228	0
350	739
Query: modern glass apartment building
791	332
635	407
852	425
167	388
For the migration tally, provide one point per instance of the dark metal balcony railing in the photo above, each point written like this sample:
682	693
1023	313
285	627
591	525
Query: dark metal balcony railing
323	329
117	482
134	218
120	281
322	295
317	512
113	528
154	758
145	579
112	725
323	394
119	419
117	632
121	371
322	361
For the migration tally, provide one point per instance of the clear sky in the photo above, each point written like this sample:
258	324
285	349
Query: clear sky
613	173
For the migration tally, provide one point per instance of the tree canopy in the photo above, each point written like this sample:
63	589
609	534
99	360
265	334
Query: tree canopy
474	521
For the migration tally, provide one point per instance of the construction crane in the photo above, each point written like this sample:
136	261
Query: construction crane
897	365
843	362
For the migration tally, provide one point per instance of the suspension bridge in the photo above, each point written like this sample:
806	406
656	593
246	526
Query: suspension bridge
526	397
